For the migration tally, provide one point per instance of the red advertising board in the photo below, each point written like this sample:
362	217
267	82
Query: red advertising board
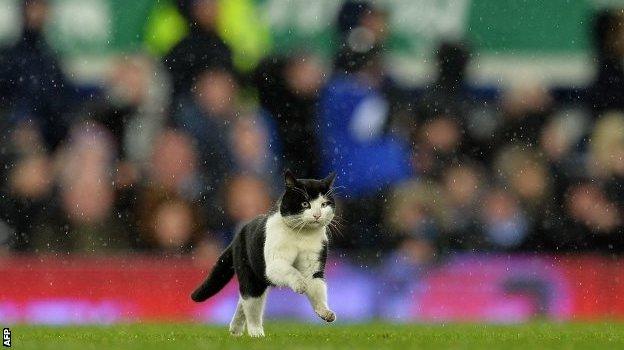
49	289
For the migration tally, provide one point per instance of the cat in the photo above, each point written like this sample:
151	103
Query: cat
285	248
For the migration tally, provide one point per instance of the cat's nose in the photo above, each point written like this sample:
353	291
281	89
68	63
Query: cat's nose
316	216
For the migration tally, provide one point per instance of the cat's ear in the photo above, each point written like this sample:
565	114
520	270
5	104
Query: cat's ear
329	180
289	178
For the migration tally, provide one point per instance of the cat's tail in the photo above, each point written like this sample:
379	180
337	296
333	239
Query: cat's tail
221	274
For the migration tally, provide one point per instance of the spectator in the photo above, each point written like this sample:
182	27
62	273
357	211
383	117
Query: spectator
174	166
229	137
606	147
444	108
525	174
462	186
246	197
559	140
169	224
593	223
207	116
505	225
201	50
28	188
83	220
418	219
133	105
607	91
353	115
525	110
254	146
288	88
606	155
438	141
28	181
33	88
360	26
169	208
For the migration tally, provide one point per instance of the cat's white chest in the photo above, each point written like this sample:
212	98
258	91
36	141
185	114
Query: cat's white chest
295	248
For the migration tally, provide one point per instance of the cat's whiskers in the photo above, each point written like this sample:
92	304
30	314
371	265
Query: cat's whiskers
334	229
339	219
301	225
337	224
333	190
293	222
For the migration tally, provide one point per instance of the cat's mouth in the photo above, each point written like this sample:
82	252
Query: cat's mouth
295	222
315	224
298	223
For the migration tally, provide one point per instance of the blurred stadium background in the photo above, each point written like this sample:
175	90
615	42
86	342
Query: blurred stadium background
479	148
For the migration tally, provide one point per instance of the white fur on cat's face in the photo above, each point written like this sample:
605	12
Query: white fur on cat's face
319	213
316	213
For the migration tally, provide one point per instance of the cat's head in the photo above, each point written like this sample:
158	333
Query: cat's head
307	203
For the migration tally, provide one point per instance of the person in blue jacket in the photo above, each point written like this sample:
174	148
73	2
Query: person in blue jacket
353	120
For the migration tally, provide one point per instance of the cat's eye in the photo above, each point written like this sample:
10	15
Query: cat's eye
324	204
305	204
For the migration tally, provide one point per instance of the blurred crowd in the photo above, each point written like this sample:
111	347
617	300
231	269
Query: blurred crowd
172	154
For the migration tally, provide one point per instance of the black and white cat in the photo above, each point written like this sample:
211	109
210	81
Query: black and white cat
285	248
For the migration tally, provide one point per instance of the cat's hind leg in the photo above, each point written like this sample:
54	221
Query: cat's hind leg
316	291
253	308
237	325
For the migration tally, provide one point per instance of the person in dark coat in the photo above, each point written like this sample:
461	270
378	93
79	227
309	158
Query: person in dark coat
34	96
448	95
33	88
442	110
202	49
288	89
607	91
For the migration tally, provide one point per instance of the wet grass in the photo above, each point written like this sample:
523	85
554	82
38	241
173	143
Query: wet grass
541	335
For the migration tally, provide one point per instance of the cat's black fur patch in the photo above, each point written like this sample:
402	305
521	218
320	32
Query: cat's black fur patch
245	255
249	258
220	275
322	261
304	190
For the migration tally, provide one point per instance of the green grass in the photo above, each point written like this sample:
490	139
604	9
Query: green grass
539	335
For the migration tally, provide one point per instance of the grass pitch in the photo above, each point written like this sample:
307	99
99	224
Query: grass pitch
336	336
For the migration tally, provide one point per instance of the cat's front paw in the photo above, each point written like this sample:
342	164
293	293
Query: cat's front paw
327	315
236	332
255	332
237	329
299	285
